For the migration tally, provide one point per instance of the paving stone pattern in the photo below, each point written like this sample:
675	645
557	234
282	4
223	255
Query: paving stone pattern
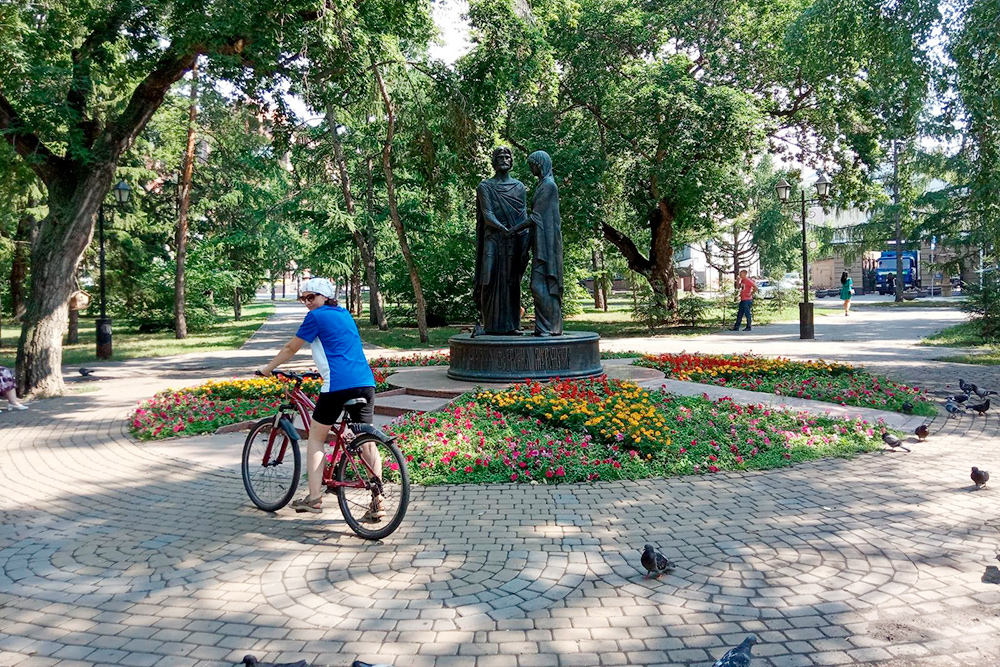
110	554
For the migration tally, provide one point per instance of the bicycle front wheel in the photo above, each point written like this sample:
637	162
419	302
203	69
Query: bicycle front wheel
373	487
271	466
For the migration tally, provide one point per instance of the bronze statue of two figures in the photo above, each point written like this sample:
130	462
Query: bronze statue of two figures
507	238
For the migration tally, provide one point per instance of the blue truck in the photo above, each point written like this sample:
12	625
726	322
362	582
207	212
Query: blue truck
887	266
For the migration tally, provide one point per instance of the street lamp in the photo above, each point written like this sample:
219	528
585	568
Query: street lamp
104	342
807	328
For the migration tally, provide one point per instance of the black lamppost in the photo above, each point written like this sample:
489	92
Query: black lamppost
104	344
807	328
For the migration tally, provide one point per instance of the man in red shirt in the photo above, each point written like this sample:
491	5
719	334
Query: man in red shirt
747	289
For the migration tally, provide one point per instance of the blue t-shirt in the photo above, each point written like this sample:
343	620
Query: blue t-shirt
336	348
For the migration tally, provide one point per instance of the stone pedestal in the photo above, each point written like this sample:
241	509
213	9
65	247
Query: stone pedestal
574	354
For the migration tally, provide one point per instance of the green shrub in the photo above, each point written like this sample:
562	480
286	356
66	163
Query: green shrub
692	308
982	302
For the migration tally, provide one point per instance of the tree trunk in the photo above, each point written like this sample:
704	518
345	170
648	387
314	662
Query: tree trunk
73	334
63	236
658	269
181	235
376	301
19	264
390	186
237	304
356	284
600	297
365	247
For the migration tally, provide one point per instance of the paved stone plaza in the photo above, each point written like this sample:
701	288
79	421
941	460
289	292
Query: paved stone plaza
126	553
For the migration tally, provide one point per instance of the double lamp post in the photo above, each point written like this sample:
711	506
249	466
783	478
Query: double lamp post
104	345
807	328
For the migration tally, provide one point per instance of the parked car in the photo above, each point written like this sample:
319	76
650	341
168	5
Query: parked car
766	288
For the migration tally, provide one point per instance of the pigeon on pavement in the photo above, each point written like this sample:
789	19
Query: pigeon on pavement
358	663
922	432
967	387
981	408
86	372
959	398
250	661
893	441
980	477
654	562
984	393
739	656
954	409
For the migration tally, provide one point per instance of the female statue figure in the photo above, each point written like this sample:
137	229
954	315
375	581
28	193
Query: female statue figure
501	256
546	235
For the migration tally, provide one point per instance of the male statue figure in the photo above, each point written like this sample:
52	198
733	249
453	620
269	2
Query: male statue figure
547	264
501	255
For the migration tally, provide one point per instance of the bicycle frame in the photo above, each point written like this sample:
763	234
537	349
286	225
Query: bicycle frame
300	402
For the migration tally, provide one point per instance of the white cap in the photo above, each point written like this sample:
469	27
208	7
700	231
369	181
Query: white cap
318	286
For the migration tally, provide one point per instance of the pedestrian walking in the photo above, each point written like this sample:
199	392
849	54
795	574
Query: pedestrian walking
747	290
846	291
8	389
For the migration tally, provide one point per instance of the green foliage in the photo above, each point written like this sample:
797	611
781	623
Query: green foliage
693	308
982	302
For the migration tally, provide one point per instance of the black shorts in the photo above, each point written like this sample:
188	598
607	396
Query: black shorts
330	404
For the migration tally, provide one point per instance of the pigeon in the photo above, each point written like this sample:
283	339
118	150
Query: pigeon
86	372
959	398
954	409
739	656
921	432
654	561
981	408
893	441
250	661
967	387
907	408
984	393
980	477
358	663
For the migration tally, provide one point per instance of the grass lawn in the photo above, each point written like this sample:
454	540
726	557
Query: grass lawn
966	334
130	344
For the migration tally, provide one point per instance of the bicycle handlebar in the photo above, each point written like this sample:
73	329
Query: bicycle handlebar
295	377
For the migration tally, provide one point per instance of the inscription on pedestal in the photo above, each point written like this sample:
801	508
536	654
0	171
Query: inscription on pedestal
508	358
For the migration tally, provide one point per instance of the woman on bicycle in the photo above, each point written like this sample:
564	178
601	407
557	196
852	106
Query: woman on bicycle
336	348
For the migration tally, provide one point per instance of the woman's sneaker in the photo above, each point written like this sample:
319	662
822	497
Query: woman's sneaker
376	511
307	504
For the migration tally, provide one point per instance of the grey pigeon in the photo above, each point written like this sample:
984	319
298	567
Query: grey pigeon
250	661
893	441
954	409
981	408
984	393
86	372
921	432
967	387
907	408
739	656
959	398
980	477
655	562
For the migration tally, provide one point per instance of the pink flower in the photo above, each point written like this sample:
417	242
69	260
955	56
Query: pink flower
513	477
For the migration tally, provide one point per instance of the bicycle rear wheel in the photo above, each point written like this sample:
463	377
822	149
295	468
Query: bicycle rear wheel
270	483
357	499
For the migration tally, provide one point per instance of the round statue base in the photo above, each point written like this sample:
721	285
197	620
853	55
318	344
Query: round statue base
487	358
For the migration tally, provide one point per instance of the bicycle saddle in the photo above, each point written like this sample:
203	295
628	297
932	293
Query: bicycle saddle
353	408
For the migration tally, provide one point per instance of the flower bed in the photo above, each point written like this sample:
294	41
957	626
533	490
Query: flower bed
603	429
206	407
816	380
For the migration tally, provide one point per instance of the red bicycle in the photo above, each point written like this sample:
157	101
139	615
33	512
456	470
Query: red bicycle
359	470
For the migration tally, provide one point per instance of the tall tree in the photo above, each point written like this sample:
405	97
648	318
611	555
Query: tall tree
183	207
63	109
